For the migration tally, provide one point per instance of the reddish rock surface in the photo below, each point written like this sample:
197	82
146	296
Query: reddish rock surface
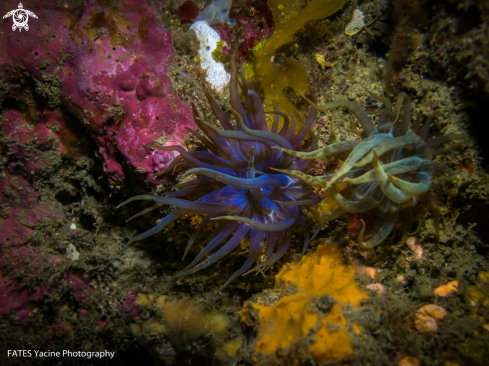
110	68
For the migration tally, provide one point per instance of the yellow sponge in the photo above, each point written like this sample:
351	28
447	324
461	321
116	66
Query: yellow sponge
294	317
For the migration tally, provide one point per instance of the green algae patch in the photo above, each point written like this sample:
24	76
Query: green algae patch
289	18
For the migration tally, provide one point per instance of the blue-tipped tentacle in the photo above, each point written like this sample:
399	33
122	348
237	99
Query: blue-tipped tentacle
196	233
161	225
240	234
257	238
276	226
283	245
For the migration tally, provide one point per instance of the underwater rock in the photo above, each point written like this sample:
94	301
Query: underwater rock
356	24
24	264
31	153
78	284
184	325
124	93
18	300
50	301
188	11
109	67
26	157
253	24
217	11
128	307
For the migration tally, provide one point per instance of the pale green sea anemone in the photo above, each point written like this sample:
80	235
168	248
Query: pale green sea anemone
388	173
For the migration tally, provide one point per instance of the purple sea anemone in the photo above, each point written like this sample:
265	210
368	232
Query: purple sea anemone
237	184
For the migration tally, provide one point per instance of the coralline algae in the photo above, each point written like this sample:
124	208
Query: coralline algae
101	66
109	68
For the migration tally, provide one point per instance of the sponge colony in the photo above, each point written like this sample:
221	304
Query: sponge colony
216	74
190	328
323	285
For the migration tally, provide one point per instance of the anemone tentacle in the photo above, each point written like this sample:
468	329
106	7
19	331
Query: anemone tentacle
272	258
161	225
277	226
225	232
227	248
303	131
203	224
353	107
145	211
360	206
342	146
395	143
257	238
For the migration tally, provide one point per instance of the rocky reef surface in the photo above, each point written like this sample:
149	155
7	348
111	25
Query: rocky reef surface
91	84
99	64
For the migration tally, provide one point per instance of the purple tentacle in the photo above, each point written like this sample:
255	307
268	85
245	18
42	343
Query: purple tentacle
217	208
261	120
242	183
240	234
233	89
196	233
161	225
311	117
256	242
283	245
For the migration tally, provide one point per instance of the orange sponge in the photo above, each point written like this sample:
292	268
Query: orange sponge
445	290
425	318
323	286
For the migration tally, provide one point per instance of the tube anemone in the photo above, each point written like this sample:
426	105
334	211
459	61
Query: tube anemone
240	184
387	174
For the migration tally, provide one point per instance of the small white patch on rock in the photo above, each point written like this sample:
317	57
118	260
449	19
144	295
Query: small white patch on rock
356	24
72	253
217	75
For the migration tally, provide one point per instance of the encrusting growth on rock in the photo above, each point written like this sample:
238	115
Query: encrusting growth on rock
324	286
